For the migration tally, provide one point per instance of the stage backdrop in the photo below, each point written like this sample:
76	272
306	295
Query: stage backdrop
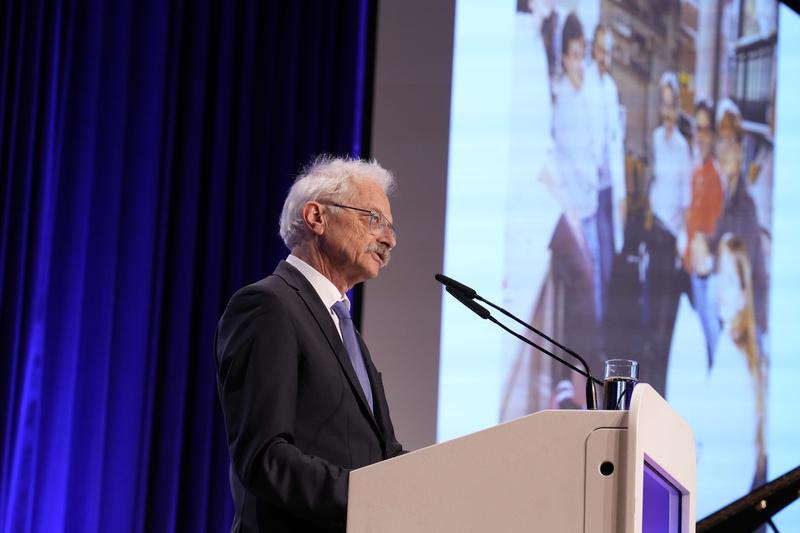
145	151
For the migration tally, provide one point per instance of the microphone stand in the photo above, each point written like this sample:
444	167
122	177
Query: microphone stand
591	400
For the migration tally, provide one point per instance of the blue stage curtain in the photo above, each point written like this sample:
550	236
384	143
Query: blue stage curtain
146	147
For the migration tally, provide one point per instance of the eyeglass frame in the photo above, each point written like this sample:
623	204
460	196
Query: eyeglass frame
381	219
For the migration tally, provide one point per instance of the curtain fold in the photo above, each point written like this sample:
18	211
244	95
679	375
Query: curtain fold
145	150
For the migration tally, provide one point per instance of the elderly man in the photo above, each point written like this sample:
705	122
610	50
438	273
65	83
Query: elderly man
302	400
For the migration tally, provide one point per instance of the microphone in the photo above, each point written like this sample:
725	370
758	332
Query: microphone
469	292
475	307
466	295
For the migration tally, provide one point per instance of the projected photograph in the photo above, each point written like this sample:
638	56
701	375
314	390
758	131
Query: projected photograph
654	166
637	215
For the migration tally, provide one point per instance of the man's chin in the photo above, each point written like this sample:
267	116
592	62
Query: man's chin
368	272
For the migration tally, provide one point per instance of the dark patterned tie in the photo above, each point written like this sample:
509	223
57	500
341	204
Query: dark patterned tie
353	348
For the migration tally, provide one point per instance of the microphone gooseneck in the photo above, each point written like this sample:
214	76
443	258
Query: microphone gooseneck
474	306
591	398
467	296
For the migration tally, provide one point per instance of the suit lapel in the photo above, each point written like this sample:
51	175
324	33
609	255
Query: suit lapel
323	318
378	393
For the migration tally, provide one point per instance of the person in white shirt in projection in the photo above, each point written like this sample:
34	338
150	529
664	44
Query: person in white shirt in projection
670	196
610	134
670	189
575	260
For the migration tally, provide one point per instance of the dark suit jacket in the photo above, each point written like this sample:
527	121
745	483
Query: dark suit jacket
296	419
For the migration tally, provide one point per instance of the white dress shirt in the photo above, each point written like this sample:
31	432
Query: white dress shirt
326	290
671	190
577	151
610	129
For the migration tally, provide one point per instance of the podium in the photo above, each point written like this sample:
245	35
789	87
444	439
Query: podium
560	471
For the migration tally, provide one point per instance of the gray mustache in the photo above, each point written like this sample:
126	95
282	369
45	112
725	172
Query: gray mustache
382	250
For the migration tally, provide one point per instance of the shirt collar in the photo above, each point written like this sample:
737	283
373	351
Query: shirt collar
324	288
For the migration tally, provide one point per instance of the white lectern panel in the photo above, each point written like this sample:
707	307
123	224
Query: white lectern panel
542	472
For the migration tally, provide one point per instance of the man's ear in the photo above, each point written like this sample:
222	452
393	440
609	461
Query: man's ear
313	217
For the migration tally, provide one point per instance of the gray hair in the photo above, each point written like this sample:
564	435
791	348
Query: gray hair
328	179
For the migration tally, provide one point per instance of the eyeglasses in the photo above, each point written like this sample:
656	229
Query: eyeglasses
377	222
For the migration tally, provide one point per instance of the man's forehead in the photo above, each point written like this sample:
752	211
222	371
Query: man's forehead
369	191
370	195
383	209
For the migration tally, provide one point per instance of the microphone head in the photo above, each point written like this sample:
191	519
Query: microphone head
467	292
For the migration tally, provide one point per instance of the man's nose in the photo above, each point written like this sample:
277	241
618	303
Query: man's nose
388	238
